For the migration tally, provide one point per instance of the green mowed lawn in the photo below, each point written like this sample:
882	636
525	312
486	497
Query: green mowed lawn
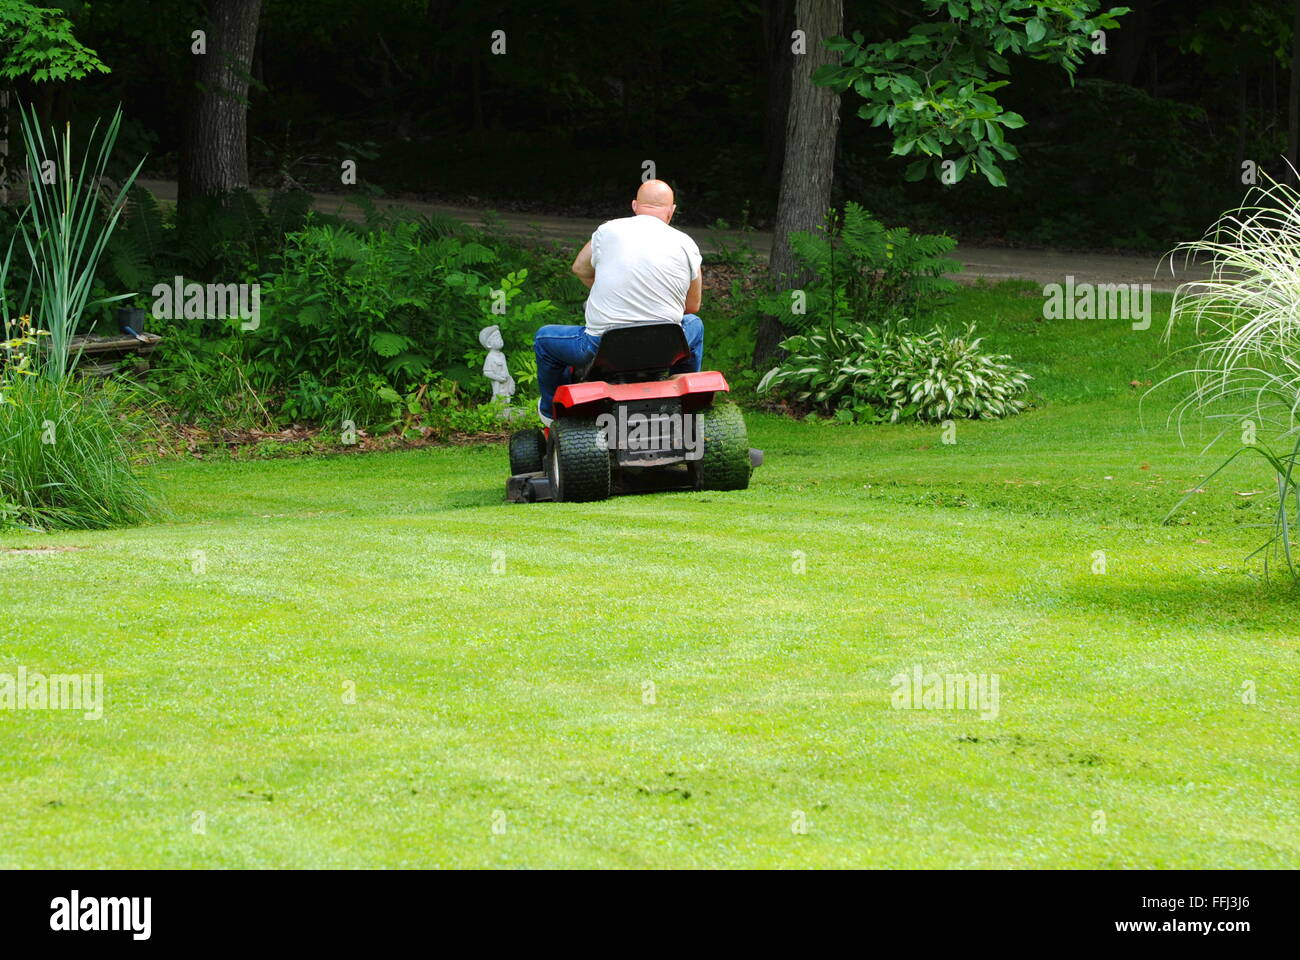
372	660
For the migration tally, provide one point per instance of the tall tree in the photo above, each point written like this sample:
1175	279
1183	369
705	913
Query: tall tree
778	24
811	130
214	150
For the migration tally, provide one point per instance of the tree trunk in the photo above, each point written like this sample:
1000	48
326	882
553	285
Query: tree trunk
4	146
1293	107
214	150
778	24
812	124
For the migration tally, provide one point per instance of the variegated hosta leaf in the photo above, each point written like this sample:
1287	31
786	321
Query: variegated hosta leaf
930	376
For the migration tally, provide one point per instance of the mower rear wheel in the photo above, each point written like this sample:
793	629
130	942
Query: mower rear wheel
527	451
577	461
725	464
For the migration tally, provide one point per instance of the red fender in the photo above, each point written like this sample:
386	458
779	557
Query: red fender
574	399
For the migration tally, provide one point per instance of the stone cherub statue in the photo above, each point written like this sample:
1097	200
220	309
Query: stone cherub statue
494	368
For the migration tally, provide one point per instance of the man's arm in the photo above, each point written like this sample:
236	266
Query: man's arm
582	267
696	293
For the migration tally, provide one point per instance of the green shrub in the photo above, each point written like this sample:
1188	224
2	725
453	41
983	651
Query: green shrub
859	374
403	303
390	302
440	409
205	381
856	358
395	302
66	454
863	272
10	514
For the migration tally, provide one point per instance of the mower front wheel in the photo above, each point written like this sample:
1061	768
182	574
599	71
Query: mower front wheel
527	451
577	461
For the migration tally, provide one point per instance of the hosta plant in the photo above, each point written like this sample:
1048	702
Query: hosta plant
860	374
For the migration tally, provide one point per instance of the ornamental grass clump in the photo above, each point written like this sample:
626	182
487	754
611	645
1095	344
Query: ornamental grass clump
1245	375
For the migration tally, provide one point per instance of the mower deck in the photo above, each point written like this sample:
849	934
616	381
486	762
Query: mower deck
536	488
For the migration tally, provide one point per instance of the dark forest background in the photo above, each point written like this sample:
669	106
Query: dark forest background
1143	150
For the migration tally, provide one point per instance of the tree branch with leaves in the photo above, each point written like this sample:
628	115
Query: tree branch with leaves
37	44
935	87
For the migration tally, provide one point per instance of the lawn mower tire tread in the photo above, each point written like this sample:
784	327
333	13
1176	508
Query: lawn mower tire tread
583	457
527	451
726	464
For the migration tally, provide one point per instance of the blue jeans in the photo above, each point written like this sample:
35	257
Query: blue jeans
560	348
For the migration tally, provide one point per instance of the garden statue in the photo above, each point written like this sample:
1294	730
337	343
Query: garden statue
494	368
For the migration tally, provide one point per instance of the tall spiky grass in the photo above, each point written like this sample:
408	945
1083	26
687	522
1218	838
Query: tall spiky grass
1246	369
66	445
66	226
66	451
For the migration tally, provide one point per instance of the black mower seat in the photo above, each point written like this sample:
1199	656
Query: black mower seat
639	351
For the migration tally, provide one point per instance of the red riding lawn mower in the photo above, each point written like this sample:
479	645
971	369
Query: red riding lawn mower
627	424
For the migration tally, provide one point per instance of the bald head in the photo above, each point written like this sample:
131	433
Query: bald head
655	199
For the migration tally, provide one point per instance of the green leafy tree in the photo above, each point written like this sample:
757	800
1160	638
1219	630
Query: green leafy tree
37	43
935	88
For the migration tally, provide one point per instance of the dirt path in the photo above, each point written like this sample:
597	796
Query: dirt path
991	263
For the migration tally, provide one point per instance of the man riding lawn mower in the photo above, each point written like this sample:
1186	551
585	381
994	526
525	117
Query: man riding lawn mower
626	407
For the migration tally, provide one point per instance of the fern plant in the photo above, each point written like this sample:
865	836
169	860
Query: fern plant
222	240
139	243
863	272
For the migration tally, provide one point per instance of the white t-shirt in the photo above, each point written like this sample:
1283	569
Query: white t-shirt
644	268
